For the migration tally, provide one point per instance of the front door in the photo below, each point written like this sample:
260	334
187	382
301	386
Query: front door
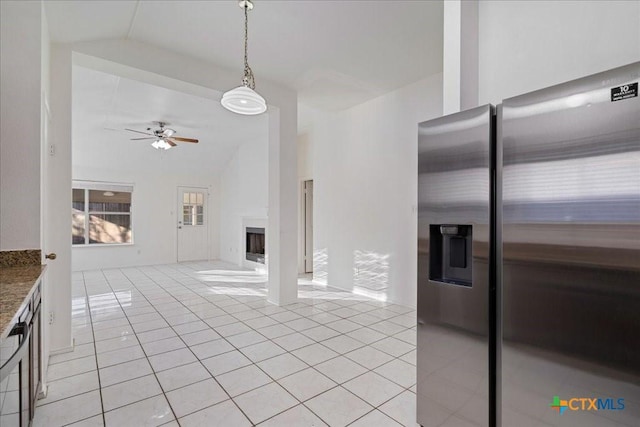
193	224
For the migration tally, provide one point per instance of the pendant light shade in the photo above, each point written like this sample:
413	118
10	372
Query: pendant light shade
244	99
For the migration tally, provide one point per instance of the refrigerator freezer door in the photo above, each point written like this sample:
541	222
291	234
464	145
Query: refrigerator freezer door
571	249
454	194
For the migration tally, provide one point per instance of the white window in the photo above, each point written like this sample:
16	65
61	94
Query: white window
101	213
193	208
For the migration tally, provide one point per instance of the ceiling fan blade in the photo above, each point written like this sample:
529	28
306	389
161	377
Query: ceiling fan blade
170	142
140	139
137	131
179	139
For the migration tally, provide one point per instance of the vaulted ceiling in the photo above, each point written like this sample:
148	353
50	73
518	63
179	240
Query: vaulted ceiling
105	105
336	54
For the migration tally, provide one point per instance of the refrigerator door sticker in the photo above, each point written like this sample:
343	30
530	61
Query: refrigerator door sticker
624	92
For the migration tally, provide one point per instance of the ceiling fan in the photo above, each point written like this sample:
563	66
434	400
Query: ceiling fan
163	137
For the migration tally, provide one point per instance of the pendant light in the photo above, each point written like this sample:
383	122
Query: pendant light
244	99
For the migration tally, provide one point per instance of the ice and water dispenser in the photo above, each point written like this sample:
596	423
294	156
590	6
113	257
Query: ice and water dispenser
450	254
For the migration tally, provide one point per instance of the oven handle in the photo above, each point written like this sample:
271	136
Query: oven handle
24	330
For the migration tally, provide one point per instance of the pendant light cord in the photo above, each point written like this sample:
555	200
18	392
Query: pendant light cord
248	80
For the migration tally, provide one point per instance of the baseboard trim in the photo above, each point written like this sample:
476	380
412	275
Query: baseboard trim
44	389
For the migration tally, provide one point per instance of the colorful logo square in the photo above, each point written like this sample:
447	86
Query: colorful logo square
559	405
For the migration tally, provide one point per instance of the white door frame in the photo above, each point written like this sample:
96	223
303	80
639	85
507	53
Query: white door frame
45	118
301	223
308	228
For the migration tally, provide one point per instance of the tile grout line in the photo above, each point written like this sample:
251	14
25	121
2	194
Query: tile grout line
94	348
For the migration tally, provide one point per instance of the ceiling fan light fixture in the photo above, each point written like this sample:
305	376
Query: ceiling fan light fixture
160	144
162	138
244	99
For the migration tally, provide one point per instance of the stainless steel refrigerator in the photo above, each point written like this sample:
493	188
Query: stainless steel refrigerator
529	259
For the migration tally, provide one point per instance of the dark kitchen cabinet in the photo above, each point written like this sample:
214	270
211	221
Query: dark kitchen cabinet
20	362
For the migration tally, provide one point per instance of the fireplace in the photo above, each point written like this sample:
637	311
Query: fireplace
255	244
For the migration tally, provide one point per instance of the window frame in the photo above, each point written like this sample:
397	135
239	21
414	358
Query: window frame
193	214
86	187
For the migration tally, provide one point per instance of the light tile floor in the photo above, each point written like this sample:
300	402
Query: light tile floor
197	344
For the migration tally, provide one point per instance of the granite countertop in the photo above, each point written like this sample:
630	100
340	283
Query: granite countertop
16	286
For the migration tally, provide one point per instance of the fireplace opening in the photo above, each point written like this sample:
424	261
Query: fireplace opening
255	244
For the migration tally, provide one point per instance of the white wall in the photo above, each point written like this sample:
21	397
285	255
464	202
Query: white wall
20	120
105	155
460	56
529	45
154	216
24	93
365	157
365	192
243	193
240	191
305	156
